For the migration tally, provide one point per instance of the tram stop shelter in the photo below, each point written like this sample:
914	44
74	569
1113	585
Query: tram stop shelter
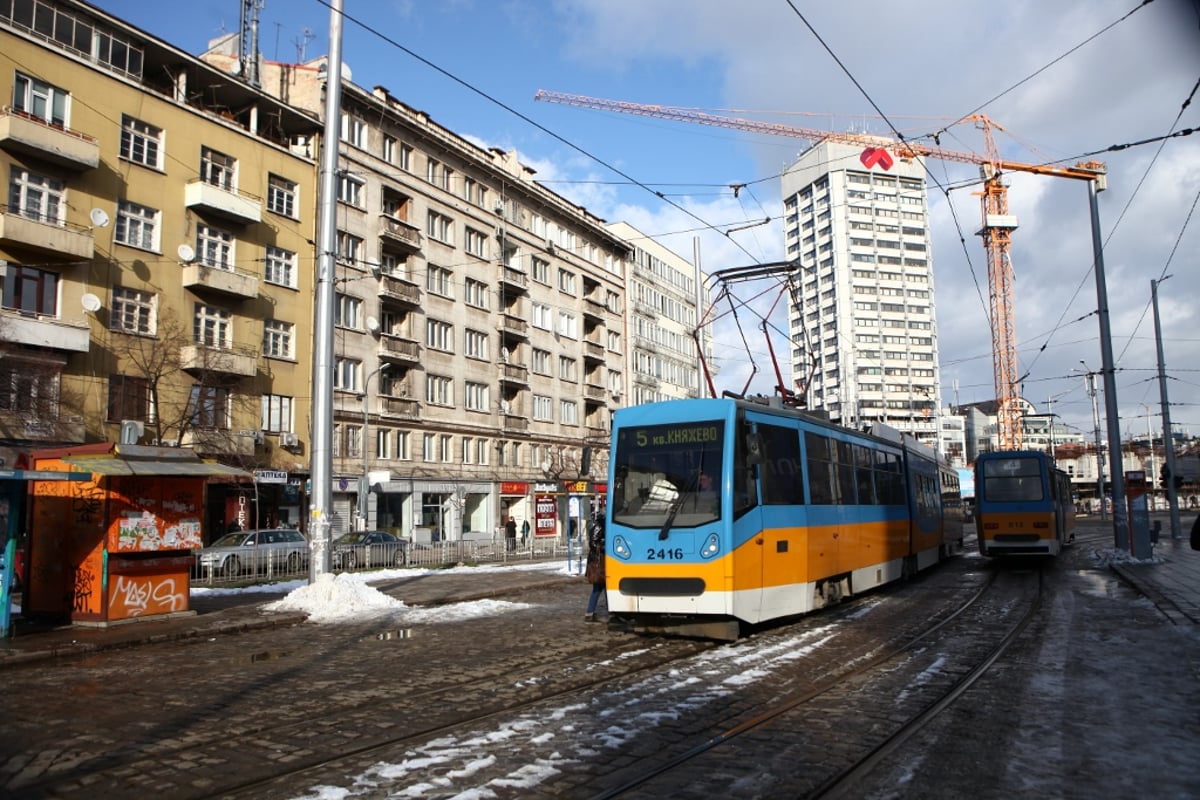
117	546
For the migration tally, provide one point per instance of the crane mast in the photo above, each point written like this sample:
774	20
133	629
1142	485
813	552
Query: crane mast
996	230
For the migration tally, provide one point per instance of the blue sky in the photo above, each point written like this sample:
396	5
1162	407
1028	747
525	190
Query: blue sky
1063	78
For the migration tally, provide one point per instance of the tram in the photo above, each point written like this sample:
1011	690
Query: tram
725	513
1023	504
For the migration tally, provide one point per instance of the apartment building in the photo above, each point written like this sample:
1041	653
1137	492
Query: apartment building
862	322
155	252
666	302
480	345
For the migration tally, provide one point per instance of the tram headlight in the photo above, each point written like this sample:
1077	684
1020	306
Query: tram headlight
712	546
621	548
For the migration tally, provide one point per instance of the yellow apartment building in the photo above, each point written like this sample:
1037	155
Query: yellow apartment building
156	255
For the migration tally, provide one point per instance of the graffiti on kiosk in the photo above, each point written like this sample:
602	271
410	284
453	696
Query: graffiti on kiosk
88	505
139	531
135	596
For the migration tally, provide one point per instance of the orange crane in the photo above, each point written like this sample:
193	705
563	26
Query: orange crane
996	231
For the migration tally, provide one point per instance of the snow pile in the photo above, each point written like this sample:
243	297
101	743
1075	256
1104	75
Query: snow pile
1106	558
335	598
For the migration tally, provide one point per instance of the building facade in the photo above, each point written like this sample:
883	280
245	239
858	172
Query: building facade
154	249
666	300
862	322
480	343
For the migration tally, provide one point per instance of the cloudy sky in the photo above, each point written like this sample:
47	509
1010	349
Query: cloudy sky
1067	81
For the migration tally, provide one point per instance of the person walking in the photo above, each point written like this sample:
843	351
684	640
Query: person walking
510	534
594	572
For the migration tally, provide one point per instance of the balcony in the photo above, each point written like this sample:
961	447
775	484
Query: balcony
241	361
514	373
49	331
593	392
397	350
399	290
594	309
200	277
593	351
399	232
211	441
61	240
36	137
402	407
34	428
513	279
514	326
514	423
228	203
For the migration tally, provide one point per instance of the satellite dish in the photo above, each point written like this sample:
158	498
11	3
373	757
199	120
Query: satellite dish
186	253
99	217
372	325
90	302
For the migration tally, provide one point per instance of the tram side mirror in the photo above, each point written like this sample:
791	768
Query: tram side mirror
754	449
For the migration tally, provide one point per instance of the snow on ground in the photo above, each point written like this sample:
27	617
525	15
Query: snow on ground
349	597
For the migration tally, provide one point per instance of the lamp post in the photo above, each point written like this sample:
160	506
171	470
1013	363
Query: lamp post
365	481
1090	378
1168	440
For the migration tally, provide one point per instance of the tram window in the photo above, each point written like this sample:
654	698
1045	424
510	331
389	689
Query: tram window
779	472
863	476
822	484
888	482
847	489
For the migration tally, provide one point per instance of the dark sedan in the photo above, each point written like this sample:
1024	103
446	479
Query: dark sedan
369	549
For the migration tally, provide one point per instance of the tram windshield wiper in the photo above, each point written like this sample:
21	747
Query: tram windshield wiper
690	489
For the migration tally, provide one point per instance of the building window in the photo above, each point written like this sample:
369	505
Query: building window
566	281
212	327
438	174
141	142
403	445
31	290
133	311
568	324
214	247
40	100
37	197
276	413
350	190
568	412
438	335
137	226
475	242
440	227
477	345
29	388
218	169
354	130
543	408
281	196
541	316
541	362
349	247
439	390
438	280
406	154
476	396
280	267
345	374
566	368
277	338
129	398
348	312
389	148
476	293
210	407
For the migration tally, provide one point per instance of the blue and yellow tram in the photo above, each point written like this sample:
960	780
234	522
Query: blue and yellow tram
1023	504
723	512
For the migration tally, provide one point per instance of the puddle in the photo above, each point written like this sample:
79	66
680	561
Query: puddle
403	633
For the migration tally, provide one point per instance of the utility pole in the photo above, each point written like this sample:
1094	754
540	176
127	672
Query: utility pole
1168	440
321	499
1090	378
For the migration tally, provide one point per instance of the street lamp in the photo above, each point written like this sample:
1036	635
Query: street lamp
1090	378
365	481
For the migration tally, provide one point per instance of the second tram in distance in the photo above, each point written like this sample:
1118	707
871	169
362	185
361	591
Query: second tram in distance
1023	504
724	513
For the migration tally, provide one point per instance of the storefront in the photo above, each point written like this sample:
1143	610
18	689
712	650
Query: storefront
428	511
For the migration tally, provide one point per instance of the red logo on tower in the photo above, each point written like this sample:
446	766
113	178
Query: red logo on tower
876	156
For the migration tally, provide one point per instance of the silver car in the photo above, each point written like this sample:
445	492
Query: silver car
367	549
273	550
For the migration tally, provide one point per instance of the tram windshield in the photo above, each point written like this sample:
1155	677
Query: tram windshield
1012	480
668	475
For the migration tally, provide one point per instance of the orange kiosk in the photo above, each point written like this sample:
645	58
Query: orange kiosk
117	547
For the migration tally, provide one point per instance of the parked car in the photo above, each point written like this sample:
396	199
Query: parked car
279	549
369	549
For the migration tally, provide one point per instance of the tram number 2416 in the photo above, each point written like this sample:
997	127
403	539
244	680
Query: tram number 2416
664	554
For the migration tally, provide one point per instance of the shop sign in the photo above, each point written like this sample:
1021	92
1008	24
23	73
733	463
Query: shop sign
545	510
514	488
270	476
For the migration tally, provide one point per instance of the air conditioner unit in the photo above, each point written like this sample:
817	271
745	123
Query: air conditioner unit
499	206
288	440
551	248
166	442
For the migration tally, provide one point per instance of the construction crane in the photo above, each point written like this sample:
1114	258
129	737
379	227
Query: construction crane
996	230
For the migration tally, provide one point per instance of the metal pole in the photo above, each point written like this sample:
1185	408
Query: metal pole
365	485
1090	378
1168	440
321	501
1108	371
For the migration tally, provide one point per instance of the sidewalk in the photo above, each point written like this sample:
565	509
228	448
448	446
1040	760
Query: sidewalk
1171	581
213	614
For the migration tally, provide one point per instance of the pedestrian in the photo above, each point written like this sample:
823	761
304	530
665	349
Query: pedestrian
510	534
524	533
594	572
